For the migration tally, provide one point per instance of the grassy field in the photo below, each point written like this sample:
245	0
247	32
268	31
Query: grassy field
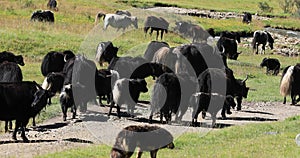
75	30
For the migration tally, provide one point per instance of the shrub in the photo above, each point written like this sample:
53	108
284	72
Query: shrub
264	7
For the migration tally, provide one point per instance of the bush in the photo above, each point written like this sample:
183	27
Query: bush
287	5
264	7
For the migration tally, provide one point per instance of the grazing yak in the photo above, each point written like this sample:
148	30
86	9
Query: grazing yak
146	138
20	101
289	83
127	91
271	64
9	56
156	24
54	61
105	52
229	47
152	47
117	21
171	94
247	17
262	37
197	33
43	16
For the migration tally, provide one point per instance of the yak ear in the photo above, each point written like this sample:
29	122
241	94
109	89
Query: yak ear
240	52
245	79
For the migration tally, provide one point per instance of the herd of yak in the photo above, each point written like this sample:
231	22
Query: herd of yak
192	75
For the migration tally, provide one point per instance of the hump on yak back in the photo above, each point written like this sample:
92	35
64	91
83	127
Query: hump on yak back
10	72
105	52
152	47
52	62
123	12
9	56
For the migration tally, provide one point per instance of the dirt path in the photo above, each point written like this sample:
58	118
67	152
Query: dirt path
95	127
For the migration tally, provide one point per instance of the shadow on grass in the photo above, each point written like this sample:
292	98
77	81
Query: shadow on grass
43	128
77	140
249	119
257	112
21	141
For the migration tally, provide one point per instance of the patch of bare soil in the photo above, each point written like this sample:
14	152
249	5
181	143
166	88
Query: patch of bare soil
95	127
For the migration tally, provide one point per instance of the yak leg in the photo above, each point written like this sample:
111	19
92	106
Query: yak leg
157	34
239	103
263	49
284	100
110	109
18	124
33	121
73	109
293	97
64	109
23	126
161	34
153	153
139	154
150	117
151	31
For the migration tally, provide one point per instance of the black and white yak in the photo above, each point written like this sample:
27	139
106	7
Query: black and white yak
127	91
289	83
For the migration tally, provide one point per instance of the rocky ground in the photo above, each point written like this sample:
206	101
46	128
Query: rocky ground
94	127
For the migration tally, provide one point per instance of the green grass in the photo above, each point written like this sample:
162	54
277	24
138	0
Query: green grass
255	140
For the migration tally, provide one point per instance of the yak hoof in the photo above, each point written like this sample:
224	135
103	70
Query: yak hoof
65	118
239	108
229	112
14	137
25	140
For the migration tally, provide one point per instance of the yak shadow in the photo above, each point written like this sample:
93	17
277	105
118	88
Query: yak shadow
77	140
249	119
209	125
257	112
43	128
21	141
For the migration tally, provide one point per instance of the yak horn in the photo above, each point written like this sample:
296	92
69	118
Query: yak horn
223	49
245	79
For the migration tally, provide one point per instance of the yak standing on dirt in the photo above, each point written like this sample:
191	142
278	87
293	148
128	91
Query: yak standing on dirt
146	138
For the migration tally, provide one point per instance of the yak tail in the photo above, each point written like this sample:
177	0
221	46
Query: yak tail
270	38
253	44
98	16
285	84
